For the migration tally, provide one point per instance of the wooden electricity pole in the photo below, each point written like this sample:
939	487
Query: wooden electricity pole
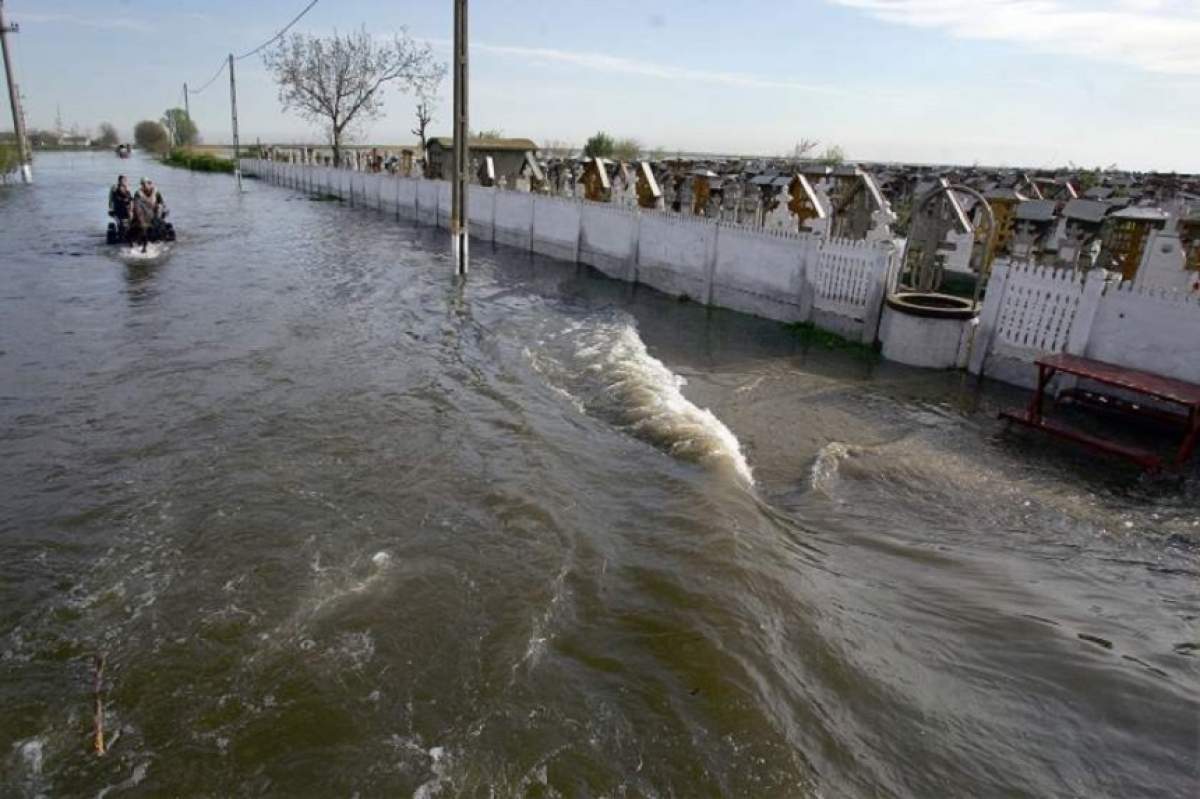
14	98
187	109
237	164
459	217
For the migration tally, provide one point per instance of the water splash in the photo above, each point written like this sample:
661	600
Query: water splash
827	466
607	371
153	252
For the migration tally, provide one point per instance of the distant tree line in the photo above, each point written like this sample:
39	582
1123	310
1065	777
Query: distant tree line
602	145
175	130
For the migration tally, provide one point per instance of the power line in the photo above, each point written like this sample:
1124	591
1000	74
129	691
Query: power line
268	42
209	82
279	35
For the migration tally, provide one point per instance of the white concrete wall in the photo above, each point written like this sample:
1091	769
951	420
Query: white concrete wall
514	219
1156	331
427	202
406	198
556	227
481	209
375	191
608	240
387	195
446	203
676	254
762	274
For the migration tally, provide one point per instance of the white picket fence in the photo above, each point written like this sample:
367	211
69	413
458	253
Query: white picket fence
1030	311
850	279
789	276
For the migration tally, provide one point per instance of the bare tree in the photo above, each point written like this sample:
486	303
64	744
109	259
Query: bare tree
338	80
424	118
803	148
427	92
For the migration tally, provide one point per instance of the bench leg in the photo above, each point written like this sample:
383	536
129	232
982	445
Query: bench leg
1191	439
1045	373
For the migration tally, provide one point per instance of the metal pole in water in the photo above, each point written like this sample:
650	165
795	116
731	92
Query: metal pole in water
459	229
237	165
14	99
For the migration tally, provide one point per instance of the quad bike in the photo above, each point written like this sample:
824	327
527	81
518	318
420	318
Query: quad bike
120	232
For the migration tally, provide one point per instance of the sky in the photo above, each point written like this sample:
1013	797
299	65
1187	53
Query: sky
995	82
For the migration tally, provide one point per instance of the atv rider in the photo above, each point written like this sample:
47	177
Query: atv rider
149	209
120	205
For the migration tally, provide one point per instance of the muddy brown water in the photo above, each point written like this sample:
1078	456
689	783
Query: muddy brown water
342	527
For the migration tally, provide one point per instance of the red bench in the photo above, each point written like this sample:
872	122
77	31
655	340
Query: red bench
1166	389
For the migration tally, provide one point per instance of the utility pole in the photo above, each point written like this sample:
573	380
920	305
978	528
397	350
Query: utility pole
237	165
187	109
459	218
14	99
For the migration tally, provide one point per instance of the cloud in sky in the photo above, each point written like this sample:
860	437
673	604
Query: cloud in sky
101	23
647	69
1160	36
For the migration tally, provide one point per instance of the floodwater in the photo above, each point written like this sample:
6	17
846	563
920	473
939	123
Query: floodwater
339	526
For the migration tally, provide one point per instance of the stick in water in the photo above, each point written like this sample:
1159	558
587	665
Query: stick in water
98	726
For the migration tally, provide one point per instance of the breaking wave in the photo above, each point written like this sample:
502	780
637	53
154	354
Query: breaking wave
606	371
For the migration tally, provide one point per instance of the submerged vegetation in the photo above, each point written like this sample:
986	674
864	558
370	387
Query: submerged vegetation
197	161
812	336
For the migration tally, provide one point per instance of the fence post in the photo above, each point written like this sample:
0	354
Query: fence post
811	263
533	204
635	246
710	269
579	233
1085	313
881	266
993	300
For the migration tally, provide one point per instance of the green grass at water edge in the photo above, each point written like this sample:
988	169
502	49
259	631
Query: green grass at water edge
813	336
198	162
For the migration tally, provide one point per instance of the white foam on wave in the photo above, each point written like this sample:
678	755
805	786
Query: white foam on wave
32	753
826	467
646	397
439	765
541	627
652	399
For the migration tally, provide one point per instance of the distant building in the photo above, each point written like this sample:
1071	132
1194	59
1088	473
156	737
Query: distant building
508	156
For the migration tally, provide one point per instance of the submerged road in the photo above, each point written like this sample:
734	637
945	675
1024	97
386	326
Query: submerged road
342	528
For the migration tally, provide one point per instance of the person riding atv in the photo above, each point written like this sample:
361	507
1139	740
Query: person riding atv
145	219
120	206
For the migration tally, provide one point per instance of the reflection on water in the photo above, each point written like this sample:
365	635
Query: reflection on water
341	525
